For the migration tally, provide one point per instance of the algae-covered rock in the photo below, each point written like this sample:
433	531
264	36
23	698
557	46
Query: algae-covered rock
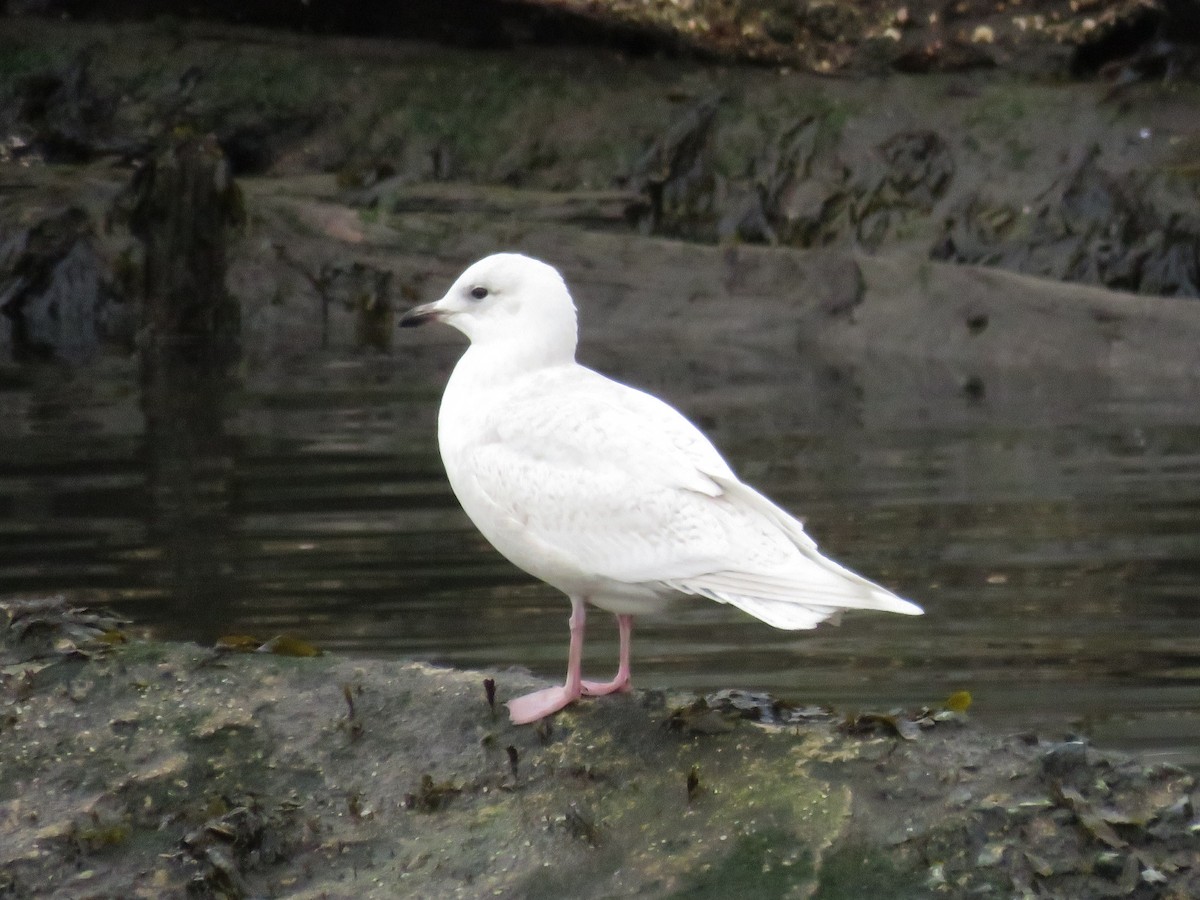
146	769
179	768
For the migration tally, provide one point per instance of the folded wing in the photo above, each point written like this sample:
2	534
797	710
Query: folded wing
619	485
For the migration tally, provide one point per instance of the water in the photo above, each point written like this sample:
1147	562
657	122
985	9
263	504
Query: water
1049	525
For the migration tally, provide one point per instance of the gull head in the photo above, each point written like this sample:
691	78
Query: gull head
506	299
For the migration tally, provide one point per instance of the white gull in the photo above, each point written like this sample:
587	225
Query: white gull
604	491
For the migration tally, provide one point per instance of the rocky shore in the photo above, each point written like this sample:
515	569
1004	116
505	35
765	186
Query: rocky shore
143	769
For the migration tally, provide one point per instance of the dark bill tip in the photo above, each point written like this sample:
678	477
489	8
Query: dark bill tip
419	315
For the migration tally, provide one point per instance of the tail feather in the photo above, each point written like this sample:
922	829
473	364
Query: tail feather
789	615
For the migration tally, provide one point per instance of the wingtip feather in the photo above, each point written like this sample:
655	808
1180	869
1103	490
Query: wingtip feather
903	607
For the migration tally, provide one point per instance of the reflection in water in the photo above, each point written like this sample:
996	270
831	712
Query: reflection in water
189	468
1050	527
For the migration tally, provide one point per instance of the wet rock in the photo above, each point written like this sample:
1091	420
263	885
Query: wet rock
768	710
57	293
805	196
799	194
241	840
67	118
677	178
1066	761
51	628
699	718
917	170
1130	232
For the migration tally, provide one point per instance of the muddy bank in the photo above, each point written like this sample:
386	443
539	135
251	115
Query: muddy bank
155	770
317	274
435	147
742	304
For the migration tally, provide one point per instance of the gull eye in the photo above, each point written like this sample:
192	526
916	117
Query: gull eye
479	292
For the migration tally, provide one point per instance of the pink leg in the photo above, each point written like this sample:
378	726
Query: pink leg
621	683
540	704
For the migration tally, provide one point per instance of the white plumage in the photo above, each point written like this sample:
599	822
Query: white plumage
602	490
